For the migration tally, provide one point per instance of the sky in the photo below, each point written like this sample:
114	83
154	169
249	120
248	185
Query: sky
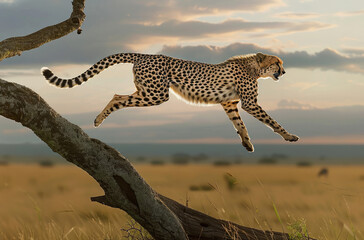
321	42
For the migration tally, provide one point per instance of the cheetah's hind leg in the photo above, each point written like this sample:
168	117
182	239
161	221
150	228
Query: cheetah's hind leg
137	99
116	103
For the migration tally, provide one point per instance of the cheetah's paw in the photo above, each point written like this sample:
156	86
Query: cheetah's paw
291	138
248	145
98	120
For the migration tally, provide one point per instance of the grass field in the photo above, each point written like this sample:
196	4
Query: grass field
53	202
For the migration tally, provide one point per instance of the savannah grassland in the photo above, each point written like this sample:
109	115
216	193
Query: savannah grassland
54	202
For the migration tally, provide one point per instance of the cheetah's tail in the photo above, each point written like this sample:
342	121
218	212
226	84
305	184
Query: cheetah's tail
92	71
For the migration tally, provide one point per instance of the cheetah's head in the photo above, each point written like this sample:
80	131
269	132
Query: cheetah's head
270	66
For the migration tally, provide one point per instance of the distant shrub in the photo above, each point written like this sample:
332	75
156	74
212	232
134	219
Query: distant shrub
180	158
267	160
221	163
46	163
4	163
202	187
304	164
361	178
200	157
279	155
157	162
140	159
238	160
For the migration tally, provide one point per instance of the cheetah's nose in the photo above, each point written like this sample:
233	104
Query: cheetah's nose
283	72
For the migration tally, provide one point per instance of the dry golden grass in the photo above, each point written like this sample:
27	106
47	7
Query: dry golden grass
53	203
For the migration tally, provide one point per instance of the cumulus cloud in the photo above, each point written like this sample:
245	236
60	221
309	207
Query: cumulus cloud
325	59
297	15
350	13
155	11
37	13
292	104
354	51
119	26
199	29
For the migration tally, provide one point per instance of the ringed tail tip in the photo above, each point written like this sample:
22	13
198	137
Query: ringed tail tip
46	72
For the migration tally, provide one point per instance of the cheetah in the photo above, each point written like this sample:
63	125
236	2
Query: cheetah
226	83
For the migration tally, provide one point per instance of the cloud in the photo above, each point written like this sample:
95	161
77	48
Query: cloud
157	11
354	51
198	29
327	59
297	15
122	26
39	13
212	54
350	13
292	104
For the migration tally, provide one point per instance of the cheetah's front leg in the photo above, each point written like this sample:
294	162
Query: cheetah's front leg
233	114
255	110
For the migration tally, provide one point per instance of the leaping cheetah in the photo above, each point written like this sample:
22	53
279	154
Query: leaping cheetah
226	83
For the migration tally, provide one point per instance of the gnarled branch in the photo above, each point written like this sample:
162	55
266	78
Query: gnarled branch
16	45
124	188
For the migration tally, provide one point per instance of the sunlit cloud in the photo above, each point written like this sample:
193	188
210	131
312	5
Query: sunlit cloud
297	15
178	31
325	59
303	86
354	51
350	13
17	72
146	11
292	104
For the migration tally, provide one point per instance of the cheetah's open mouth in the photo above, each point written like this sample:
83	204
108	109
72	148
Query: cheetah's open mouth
276	76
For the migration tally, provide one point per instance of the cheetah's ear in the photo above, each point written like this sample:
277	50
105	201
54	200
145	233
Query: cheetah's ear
260	56
263	60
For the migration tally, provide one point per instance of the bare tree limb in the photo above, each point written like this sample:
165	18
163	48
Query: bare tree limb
16	45
124	188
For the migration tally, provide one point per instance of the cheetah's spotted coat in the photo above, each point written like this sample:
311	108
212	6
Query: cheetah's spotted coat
226	83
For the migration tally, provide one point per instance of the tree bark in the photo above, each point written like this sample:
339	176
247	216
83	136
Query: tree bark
16	45
124	188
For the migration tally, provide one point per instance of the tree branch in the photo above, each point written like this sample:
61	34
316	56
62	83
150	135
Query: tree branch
16	45
124	188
